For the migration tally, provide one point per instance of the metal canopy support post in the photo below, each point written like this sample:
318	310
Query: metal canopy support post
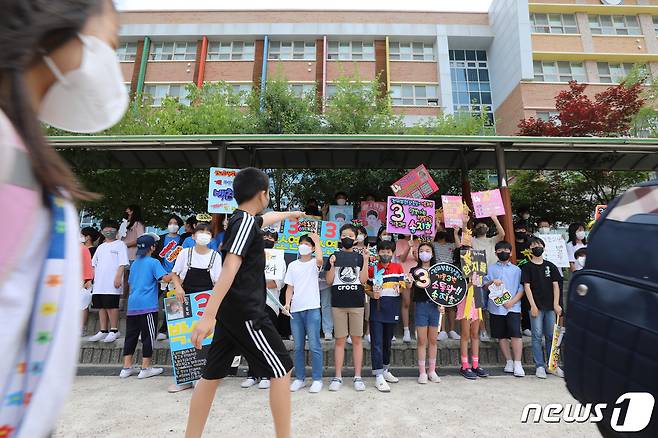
221	155
508	223
466	183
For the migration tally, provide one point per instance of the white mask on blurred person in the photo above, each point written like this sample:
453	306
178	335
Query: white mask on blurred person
544	230
580	235
305	250
341	201
360	238
90	98
173	228
581	261
203	239
83	239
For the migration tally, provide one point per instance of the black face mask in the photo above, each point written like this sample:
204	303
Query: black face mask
503	256
385	258
537	251
347	242
268	244
521	235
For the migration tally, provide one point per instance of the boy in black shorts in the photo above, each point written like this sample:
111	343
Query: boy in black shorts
236	309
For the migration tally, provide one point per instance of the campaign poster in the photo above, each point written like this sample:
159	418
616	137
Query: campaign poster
474	261
444	284
220	191
555	250
275	264
341	214
373	216
414	217
293	230
416	184
453	211
488	203
188	362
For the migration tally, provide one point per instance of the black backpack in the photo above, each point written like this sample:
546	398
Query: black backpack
611	341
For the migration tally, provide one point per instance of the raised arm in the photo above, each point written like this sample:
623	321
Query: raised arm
318	249
499	228
273	217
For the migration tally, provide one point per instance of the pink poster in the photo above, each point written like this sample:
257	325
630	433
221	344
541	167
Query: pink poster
372	216
453	211
414	217
416	184
488	203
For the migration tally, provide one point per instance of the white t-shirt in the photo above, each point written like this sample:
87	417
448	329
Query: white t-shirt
107	259
200	261
489	245
303	276
571	252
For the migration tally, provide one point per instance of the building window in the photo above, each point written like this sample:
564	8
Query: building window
290	50
655	23
231	51
614	25
173	51
351	50
553	23
411	94
613	73
127	51
301	90
366	92
546	115
471	88
159	91
559	71
400	51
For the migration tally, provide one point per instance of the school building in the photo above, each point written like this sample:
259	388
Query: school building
509	62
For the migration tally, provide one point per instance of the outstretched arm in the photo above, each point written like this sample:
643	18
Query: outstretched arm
273	217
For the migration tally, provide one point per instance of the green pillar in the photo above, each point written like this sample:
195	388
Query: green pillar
142	73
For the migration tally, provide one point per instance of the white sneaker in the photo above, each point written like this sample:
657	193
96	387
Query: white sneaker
406	338
518	370
127	372
434	378
178	388
349	340
249	382
422	379
367	338
359	384
149	372
443	336
264	384
484	337
454	335
161	337
296	385
527	333
390	378
335	384
558	372
316	387
509	367
98	337
328	337
111	337
541	373
380	384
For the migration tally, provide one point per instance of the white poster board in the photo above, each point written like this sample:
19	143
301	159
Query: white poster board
556	250
275	264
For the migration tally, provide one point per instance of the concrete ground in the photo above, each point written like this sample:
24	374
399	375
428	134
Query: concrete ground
492	407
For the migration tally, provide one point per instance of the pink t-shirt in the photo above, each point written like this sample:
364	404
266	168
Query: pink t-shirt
411	260
131	235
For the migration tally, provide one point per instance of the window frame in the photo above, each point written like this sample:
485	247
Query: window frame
559	74
122	52
158	98
231	54
187	54
597	27
426	51
469	82
414	97
614	78
308	53
564	29
350	46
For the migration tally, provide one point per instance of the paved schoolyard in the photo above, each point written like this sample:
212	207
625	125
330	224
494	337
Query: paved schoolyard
109	407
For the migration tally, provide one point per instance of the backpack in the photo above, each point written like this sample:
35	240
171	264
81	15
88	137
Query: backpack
611	341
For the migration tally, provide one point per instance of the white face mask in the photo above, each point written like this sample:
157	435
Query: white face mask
360	238
544	230
526	216
305	250
83	239
91	98
581	261
203	239
425	256
387	238
173	228
580	235
341	201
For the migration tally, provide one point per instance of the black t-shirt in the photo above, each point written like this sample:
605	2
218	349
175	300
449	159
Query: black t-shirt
243	237
520	247
541	278
419	294
347	290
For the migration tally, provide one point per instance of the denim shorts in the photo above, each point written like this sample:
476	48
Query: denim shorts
427	314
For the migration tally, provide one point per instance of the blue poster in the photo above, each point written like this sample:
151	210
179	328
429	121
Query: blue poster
220	191
293	230
341	214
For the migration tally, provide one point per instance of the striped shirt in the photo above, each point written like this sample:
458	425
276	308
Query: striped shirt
387	307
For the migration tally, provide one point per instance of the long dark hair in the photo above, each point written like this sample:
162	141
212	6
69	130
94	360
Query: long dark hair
30	29
136	216
573	228
432	260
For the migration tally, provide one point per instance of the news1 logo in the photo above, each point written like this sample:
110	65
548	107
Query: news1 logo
631	412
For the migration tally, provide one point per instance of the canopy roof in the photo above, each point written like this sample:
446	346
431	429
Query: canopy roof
359	151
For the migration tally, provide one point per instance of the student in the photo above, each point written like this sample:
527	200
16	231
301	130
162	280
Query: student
362	248
142	314
505	319
521	236
172	241
406	250
385	280
443	248
215	240
133	215
576	241
312	208
91	237
110	261
236	309
87	278
303	302
197	269
544	226
339	199
540	280
581	256
347	272
190	225
427	318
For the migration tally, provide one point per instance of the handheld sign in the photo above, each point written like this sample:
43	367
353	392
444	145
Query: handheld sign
488	203
188	362
474	261
453	211
373	216
444	284
499	295
416	184
556	250
410	216
341	214
220	191
292	230
275	264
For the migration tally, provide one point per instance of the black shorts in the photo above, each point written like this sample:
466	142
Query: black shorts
505	326
101	301
258	341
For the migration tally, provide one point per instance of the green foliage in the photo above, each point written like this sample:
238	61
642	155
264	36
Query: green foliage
454	124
